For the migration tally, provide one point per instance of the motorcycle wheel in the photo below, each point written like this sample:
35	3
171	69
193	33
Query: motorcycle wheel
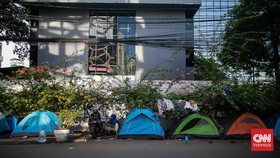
93	131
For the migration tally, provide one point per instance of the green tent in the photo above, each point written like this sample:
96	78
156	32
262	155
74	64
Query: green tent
197	124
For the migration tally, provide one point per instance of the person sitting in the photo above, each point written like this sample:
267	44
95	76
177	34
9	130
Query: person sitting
112	125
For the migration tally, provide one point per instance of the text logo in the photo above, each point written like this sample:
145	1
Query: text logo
262	140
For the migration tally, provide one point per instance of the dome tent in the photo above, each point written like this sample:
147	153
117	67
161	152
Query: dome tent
141	124
34	122
197	124
239	125
5	129
273	122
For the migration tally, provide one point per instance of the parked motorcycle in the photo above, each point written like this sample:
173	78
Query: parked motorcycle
95	123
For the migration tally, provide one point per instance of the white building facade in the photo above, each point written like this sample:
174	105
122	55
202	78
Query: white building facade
123	37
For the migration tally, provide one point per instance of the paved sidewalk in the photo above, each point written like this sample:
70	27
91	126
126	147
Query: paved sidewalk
127	148
73	137
198	148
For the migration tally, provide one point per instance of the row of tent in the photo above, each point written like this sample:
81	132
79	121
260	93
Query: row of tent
143	123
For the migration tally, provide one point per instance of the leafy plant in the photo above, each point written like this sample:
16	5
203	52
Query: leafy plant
141	95
58	90
14	25
67	117
252	37
43	88
259	98
209	69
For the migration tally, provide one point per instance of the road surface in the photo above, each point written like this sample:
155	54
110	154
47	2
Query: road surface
106	148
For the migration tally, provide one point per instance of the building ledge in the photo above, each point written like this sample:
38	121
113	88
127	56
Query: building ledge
190	6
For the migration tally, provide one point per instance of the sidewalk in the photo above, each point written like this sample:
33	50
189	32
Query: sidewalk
83	137
74	137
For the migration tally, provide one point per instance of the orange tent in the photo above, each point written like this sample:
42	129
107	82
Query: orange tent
240	125
245	123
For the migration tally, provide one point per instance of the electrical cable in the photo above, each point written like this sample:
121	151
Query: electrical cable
156	38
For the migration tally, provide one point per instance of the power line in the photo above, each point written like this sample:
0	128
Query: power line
138	20
150	21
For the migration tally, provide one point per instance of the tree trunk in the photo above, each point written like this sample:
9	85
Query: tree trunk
274	36
276	63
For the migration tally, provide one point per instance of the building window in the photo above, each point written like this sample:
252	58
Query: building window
209	22
112	50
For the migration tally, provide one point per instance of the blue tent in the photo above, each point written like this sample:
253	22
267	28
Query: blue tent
141	123
273	121
5	129
34	122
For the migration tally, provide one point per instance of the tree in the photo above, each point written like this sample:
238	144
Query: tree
252	37
209	69
14	25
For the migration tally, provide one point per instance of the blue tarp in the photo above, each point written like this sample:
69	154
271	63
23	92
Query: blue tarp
5	129
273	122
34	122
141	123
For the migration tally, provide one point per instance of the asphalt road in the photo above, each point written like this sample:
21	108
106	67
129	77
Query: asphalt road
106	148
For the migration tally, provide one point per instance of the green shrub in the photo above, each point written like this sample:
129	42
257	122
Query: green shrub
141	95
45	90
259	98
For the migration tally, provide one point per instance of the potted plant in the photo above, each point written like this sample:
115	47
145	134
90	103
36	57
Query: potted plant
66	117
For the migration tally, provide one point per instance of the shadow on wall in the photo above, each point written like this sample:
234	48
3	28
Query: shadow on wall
63	24
51	53
162	51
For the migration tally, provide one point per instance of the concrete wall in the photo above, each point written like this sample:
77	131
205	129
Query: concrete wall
149	57
63	24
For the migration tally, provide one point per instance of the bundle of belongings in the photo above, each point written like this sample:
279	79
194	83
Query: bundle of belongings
165	105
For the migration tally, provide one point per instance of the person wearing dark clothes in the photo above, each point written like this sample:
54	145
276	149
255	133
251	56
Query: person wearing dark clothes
95	123
112	124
